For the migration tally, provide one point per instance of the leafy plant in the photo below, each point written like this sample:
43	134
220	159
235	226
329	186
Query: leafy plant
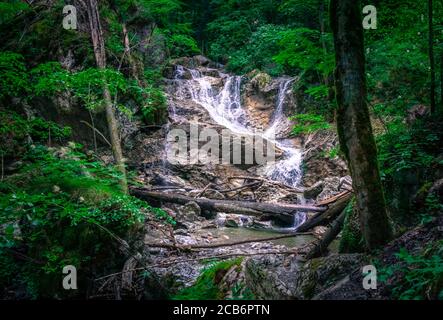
309	123
14	78
418	276
61	209
15	130
206	286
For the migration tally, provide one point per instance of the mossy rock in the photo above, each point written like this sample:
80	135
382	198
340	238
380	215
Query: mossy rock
318	274
208	284
261	80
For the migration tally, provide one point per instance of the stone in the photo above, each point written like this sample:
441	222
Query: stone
313	191
190	212
230	223
273	278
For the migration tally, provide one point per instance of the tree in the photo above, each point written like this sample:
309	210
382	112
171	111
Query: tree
441	80
100	58
431	56
353	121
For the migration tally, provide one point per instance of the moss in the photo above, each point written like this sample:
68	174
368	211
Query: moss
262	80
351	240
206	286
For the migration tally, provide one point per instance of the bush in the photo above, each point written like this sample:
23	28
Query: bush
309	123
63	209
15	130
418	276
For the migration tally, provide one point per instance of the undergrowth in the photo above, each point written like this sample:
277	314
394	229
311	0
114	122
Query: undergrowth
63	208
418	276
207	285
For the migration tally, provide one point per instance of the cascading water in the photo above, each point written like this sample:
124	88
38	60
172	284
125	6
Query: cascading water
288	169
225	108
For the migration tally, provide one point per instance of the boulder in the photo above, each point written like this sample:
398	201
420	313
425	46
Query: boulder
313	191
190	212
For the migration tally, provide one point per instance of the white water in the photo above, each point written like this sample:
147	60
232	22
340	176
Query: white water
225	108
287	170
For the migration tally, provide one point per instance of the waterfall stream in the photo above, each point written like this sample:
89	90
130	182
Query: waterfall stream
225	108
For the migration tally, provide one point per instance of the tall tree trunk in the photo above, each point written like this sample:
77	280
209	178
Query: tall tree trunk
321	17
100	58
441	81
431	56
131	62
353	121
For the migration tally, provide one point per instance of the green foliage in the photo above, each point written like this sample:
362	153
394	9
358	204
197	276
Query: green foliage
10	8
319	92
14	79
418	276
87	85
309	123
182	45
300	49
432	207
63	209
258	52
206	286
14	131
409	147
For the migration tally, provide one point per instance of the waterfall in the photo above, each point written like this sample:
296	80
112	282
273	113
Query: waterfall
225	108
287	170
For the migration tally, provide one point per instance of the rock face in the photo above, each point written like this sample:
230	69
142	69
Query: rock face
287	278
319	160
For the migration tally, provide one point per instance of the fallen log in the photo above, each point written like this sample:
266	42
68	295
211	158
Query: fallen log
295	189
322	245
334	198
227	206
226	244
327	216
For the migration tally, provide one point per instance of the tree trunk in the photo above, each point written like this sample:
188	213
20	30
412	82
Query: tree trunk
353	121
131	62
431	56
240	207
329	215
441	81
329	236
322	37
100	58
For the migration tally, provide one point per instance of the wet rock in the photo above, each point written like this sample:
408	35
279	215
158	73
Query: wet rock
190	212
416	112
233	220
267	278
259	96
330	188
437	190
181	232
317	161
313	191
230	223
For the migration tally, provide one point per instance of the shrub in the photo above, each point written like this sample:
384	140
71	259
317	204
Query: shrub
63	209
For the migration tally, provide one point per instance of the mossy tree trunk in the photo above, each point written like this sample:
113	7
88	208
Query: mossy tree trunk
100	58
431	56
441	81
353	121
